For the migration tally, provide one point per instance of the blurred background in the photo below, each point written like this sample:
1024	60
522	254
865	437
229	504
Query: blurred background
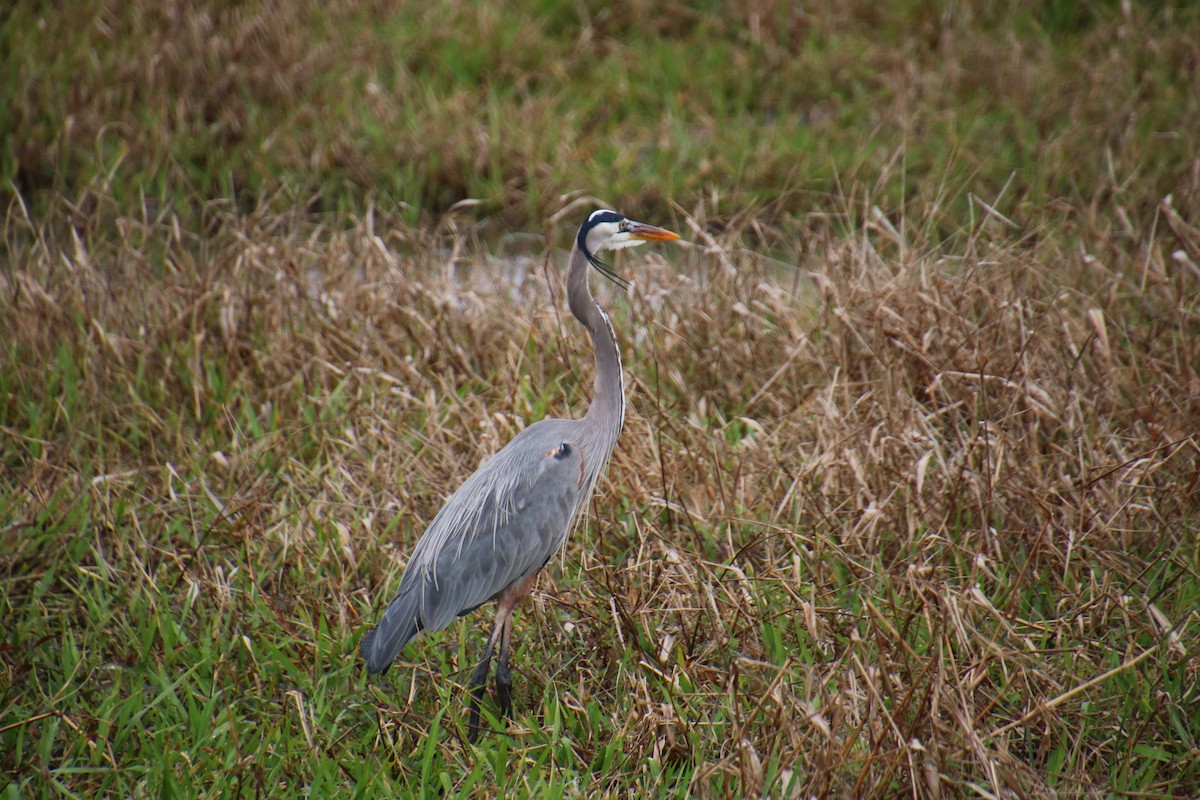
1065	112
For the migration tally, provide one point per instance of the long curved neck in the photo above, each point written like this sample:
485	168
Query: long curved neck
608	400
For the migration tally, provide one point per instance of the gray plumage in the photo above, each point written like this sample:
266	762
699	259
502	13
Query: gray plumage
505	522
509	518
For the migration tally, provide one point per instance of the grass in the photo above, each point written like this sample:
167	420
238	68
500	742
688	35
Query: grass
418	109
906	502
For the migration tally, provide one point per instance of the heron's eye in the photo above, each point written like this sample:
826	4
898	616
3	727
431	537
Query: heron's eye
623	226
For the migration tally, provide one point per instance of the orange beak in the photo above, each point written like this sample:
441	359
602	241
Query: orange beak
649	233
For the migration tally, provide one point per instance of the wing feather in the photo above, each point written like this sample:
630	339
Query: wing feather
503	524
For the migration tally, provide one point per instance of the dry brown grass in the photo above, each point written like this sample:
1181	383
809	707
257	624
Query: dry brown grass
894	519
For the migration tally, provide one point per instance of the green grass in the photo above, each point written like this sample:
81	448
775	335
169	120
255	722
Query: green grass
906	503
204	519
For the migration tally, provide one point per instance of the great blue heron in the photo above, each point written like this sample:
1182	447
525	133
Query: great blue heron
509	518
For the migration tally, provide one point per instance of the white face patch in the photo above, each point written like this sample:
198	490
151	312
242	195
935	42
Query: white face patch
609	236
621	241
600	234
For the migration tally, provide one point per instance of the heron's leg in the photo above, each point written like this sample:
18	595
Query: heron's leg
503	676
501	634
479	679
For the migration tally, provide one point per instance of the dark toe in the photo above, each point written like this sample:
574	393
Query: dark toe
504	692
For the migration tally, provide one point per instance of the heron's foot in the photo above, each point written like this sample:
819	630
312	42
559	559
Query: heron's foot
478	686
473	723
504	690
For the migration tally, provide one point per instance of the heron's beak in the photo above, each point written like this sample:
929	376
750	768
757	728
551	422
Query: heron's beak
649	233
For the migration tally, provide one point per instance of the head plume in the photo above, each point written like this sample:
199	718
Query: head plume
601	220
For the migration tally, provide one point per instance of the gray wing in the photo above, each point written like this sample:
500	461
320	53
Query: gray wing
503	524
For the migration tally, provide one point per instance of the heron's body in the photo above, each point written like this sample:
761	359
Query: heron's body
503	524
509	518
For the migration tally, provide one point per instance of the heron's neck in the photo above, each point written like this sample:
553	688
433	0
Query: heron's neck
608	399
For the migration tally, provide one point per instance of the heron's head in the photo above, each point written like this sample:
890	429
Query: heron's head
608	230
